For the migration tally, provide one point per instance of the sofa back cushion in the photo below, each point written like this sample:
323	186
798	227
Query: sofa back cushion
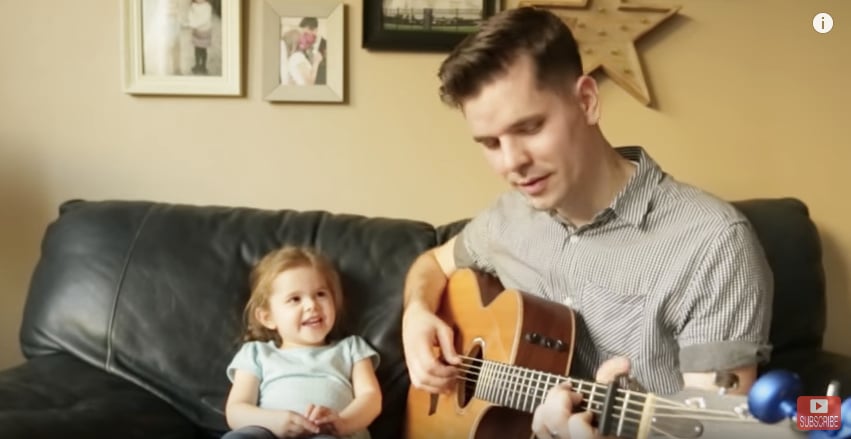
154	292
793	247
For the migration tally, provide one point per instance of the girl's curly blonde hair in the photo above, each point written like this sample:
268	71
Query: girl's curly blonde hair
263	276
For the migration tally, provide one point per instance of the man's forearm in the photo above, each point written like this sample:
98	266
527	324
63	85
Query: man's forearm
425	282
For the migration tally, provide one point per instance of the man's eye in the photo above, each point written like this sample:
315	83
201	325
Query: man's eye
531	128
490	143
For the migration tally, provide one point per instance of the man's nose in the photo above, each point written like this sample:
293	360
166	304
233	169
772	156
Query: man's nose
514	155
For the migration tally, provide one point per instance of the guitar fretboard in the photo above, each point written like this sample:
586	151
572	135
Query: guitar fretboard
525	389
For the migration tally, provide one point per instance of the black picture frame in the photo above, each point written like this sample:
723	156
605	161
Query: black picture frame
376	37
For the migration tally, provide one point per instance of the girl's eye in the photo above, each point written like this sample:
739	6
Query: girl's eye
322	294
293	299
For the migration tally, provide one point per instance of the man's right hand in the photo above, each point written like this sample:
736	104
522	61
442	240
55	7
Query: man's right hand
422	331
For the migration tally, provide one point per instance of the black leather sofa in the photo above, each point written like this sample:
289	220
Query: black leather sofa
134	310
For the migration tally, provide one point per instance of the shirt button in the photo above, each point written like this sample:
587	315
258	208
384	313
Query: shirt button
574	239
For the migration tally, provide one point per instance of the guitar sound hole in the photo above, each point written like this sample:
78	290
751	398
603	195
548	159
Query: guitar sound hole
469	376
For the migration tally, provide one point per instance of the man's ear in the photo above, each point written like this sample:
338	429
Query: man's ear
265	318
586	93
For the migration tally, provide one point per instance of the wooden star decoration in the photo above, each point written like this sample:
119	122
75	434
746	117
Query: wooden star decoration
606	32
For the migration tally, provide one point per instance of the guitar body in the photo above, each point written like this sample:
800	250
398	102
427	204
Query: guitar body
491	323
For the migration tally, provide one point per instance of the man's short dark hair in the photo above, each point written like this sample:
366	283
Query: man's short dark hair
488	52
309	22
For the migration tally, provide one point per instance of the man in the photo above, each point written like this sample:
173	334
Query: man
668	282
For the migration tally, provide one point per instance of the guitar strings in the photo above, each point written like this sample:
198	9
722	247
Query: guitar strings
662	403
573	381
471	370
633	424
672	405
675	406
727	417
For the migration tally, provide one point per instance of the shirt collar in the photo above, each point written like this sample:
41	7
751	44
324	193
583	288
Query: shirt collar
633	202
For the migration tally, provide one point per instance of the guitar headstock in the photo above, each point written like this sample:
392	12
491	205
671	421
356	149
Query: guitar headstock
770	410
694	413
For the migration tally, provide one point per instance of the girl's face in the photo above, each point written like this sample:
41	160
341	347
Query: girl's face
300	308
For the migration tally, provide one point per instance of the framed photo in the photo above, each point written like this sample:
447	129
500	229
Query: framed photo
304	43
422	25
182	47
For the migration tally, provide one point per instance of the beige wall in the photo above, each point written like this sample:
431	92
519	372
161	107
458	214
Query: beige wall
752	103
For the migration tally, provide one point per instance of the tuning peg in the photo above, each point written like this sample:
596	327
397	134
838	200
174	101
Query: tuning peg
726	381
833	388
774	396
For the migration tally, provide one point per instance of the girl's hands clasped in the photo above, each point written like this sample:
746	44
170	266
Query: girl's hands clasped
296	425
323	417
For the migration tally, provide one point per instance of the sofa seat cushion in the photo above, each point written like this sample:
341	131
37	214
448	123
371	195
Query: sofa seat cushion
60	396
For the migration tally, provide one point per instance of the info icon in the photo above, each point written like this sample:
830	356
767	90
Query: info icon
823	22
819	413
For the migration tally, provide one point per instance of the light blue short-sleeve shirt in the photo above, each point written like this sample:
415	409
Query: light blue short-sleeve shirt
292	378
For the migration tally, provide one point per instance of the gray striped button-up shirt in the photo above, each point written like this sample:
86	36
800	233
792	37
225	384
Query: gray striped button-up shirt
668	275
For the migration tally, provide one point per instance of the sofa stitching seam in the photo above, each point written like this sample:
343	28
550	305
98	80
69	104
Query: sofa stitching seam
119	285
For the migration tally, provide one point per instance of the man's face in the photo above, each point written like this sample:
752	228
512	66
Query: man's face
533	137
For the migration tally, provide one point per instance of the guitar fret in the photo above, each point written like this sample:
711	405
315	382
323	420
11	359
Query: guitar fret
492	390
552	380
592	396
497	378
488	382
623	413
502	393
515	391
481	382
494	379
539	398
519	386
509	390
578	389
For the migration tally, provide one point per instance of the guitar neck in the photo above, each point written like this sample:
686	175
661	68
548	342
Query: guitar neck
525	389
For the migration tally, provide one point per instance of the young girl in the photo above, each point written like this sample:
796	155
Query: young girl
292	378
200	20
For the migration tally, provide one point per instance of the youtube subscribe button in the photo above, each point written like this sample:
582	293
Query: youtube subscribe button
819	413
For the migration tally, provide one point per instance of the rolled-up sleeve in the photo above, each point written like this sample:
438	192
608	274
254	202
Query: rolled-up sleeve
726	311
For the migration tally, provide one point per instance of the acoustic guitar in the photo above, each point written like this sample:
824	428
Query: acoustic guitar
516	346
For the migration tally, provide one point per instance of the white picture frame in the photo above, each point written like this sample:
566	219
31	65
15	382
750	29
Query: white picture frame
284	18
182	47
